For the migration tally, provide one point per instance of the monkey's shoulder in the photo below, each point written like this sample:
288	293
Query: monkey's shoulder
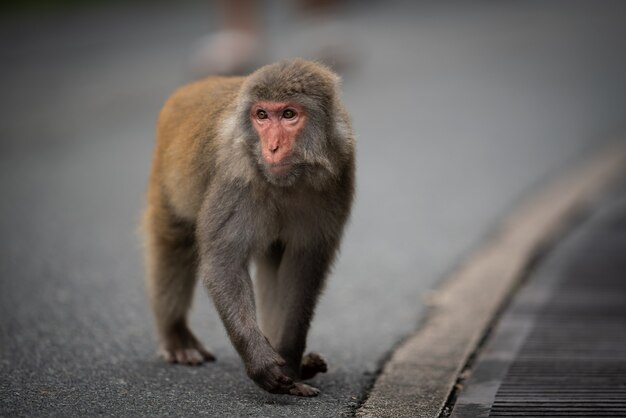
186	139
207	95
212	87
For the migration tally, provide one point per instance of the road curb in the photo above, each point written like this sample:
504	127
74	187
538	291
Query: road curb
421	373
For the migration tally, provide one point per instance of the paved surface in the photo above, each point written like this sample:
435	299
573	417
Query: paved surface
460	111
559	349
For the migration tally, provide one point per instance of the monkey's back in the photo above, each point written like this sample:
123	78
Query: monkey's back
186	142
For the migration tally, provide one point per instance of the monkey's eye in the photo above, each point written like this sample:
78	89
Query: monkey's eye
261	114
289	114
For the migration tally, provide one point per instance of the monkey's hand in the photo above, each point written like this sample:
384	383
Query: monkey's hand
268	374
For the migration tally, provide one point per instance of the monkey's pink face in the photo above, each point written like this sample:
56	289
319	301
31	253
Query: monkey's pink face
278	125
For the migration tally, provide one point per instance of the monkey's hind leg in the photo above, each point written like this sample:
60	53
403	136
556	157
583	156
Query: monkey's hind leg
286	308
171	263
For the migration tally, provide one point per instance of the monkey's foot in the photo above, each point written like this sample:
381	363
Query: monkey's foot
300	389
312	364
183	347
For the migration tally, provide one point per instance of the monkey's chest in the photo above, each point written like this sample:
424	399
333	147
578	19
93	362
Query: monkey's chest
291	222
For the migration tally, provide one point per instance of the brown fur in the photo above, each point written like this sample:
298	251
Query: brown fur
213	207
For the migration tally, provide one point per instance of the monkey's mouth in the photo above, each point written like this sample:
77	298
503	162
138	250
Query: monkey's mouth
280	168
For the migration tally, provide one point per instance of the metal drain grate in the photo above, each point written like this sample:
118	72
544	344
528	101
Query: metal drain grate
573	362
559	350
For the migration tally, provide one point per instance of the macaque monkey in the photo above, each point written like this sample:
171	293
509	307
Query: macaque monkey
250	169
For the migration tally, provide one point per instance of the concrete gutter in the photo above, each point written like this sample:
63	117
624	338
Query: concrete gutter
421	374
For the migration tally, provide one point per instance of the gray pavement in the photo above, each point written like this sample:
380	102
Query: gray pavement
460	111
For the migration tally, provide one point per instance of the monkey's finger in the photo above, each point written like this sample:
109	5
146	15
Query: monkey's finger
277	387
300	389
281	383
285	380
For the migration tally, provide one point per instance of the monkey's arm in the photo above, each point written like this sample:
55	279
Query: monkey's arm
225	247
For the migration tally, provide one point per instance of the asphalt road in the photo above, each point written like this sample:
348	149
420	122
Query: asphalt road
460	110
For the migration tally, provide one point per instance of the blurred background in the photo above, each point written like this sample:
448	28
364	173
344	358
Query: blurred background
460	109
